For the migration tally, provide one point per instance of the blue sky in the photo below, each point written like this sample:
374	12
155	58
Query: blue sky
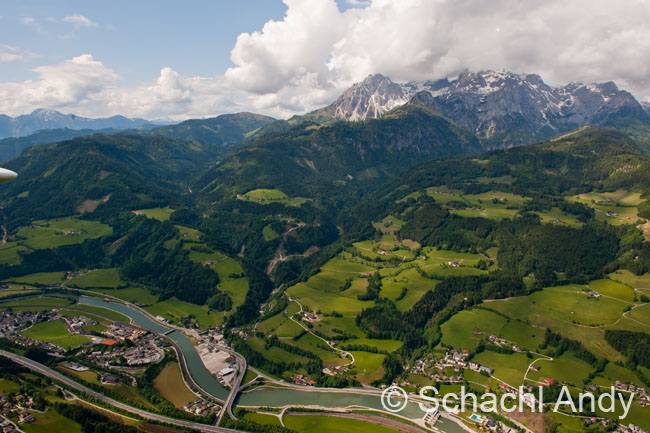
173	60
136	38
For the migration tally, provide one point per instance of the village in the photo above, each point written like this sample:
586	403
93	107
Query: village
16	411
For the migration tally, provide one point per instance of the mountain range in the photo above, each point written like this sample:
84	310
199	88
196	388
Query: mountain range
508	107
51	119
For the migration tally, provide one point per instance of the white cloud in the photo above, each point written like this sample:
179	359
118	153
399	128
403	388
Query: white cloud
9	53
69	82
27	20
316	50
79	20
306	59
85	86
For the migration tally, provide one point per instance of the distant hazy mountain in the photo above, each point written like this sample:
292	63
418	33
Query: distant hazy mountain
50	119
13	146
515	108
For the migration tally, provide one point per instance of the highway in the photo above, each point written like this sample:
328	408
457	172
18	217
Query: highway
46	371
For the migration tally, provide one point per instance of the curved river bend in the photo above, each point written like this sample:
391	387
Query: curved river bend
261	398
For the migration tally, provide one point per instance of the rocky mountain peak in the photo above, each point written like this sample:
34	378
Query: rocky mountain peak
499	104
371	98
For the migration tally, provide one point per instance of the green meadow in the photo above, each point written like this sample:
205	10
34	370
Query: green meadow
62	231
323	424
55	332
136	295
173	309
566	368
267	196
97	278
158	213
43	278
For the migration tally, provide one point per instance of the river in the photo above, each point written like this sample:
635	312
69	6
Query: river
261	398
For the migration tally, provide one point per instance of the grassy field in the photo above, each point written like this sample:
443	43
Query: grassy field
279	325
8	386
171	386
102	311
158	213
508	368
387	345
44	278
173	309
616	208
76	313
58	232
88	375
262	418
322	424
10	292
526	336
39	303
319	348
389	225
368	366
99	278
136	295
267	196
642	315
51	421
10	253
55	332
274	353
562	304
327	302
566	368
613	289
465	329
626	277
569	311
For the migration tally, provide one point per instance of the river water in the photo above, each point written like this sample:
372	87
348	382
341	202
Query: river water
267	397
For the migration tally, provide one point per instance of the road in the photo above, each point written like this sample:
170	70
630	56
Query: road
234	385
46	371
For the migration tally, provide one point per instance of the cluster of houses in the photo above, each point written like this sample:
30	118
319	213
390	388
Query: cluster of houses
122	332
146	350
332	371
12	323
201	407
240	332
644	398
75	324
501	342
458	361
15	407
304	380
630	428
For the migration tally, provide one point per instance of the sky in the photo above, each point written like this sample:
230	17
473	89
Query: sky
163	60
